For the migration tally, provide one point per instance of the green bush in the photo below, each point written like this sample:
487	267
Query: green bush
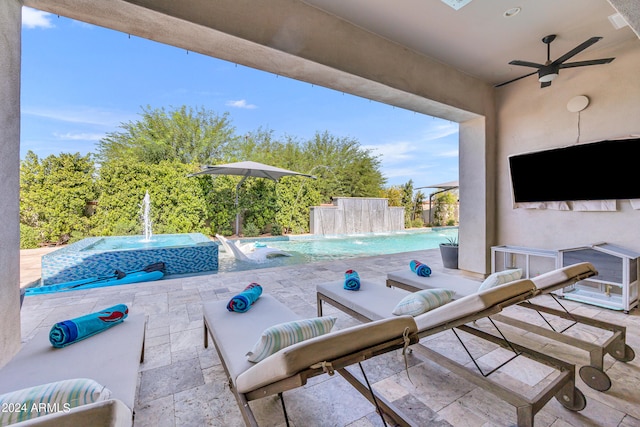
29	237
276	229
251	230
417	223
54	192
223	231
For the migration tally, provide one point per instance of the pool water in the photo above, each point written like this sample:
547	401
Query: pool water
138	242
306	249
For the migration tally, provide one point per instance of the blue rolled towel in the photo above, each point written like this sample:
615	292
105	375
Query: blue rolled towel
351	280
420	269
70	331
243	301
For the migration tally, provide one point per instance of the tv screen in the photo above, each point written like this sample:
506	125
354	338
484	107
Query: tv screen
602	170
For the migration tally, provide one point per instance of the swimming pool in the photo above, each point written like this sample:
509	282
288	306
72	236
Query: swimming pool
312	248
101	256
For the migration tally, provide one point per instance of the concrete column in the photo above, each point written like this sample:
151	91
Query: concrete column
10	27
477	195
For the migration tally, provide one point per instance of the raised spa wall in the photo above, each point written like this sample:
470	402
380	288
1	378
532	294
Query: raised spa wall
349	215
77	261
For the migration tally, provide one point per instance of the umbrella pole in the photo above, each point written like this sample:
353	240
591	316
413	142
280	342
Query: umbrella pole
237	211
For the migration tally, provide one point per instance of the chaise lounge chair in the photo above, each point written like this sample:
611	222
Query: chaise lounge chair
257	255
593	374
111	358
373	302
290	367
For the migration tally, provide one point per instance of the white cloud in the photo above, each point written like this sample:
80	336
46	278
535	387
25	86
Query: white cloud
241	104
393	152
69	136
80	114
32	18
441	130
452	153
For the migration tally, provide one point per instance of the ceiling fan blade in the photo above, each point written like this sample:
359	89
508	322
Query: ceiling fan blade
526	64
576	50
545	84
585	63
517	78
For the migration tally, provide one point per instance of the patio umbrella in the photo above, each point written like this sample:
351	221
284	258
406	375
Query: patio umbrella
245	170
446	186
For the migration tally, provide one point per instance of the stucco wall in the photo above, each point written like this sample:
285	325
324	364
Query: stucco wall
533	119
10	12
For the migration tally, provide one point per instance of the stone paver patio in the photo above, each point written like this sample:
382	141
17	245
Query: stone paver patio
183	384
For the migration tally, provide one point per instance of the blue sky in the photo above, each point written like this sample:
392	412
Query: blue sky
80	82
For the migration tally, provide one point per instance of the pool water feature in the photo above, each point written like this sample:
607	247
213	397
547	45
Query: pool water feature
101	256
312	248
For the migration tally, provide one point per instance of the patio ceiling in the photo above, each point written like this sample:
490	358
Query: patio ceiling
470	47
478	39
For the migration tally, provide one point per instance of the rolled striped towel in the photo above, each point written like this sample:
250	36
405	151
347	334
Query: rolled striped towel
420	269
243	301
351	280
73	330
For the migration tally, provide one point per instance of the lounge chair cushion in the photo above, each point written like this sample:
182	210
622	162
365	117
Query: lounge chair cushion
372	301
112	358
460	285
59	396
236	333
298	357
500	278
472	304
282	335
422	301
562	277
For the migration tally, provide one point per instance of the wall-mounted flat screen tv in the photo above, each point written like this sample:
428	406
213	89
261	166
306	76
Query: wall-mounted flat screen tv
602	170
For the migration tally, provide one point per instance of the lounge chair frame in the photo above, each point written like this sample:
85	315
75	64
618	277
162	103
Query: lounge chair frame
98	357
562	387
593	374
339	365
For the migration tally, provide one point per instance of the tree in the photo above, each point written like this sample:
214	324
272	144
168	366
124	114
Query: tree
407	202
393	194
342	167
295	196
347	169
53	196
444	208
178	203
158	151
418	201
184	134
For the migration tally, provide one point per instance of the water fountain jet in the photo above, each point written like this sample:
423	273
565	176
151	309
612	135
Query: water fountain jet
146	217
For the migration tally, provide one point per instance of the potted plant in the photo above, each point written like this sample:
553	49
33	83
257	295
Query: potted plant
449	252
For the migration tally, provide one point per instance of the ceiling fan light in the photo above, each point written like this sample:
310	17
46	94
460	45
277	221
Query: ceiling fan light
545	78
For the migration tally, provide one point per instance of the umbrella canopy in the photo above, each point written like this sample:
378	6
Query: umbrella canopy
247	169
445	185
